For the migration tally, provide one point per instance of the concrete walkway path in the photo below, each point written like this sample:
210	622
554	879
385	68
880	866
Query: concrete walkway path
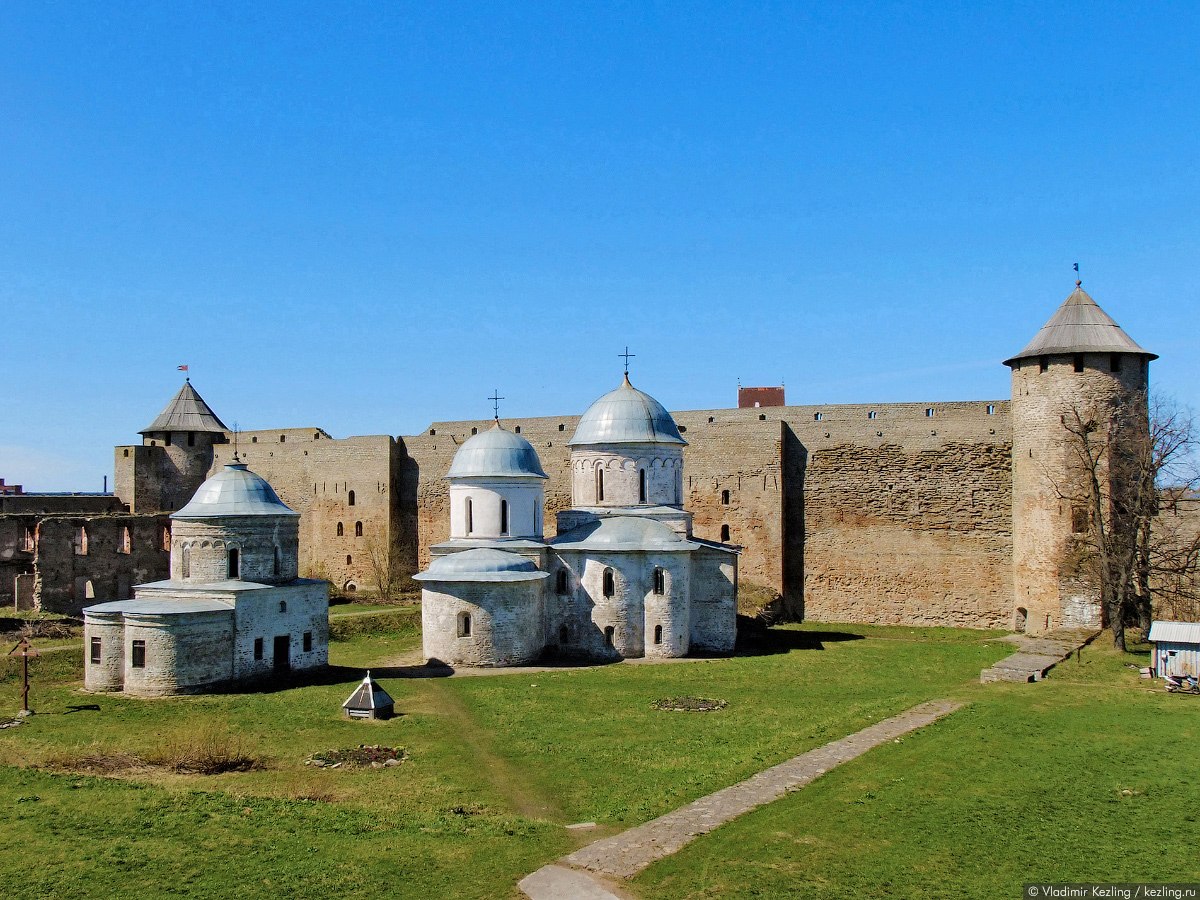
624	855
1036	656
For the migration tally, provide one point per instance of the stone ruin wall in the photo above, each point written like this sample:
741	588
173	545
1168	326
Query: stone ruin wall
314	474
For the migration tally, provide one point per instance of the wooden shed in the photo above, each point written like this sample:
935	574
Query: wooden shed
369	701
1176	648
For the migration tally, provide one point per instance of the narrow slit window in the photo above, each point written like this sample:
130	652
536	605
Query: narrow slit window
349	559
609	586
658	634
191	439
470	516
81	541
560	582
358	529
340	529
724	532
660	580
235	563
350	499
124	543
137	658
641	485
504	517
308	642
276	565
464	625
725	498
599	484
258	648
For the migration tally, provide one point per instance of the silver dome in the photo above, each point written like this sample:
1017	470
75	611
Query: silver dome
626	416
234	491
496	453
483	564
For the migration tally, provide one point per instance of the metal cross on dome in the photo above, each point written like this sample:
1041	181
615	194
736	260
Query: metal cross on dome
496	398
627	355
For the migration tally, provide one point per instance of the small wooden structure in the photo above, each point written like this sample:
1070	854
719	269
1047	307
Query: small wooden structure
1176	648
24	650
370	701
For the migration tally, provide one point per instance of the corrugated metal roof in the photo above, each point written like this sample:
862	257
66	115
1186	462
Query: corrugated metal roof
623	533
1079	326
1175	632
159	607
482	564
234	491
626	416
369	695
496	453
187	411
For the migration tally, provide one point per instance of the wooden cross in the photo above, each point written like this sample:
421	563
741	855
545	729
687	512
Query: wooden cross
627	355
24	650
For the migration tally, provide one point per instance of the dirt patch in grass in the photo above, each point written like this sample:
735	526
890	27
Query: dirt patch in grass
690	704
203	751
363	756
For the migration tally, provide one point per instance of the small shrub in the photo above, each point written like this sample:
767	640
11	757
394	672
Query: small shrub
208	750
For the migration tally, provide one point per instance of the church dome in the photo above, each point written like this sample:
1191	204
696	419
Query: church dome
234	491
496	453
482	564
626	416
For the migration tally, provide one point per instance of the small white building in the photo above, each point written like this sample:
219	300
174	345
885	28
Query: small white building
1176	648
624	578
232	610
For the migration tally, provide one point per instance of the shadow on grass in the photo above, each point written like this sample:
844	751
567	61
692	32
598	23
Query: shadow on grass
756	638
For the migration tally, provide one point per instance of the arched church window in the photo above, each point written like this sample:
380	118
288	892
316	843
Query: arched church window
464	625
358	529
350	499
340	530
186	565
609	583
660	582
641	485
724	532
658	634
504	517
470	516
724	498
599	483
235	563
276	567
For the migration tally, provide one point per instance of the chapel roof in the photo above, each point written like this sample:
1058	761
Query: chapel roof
187	411
623	533
481	564
234	491
626	416
1080	326
496	453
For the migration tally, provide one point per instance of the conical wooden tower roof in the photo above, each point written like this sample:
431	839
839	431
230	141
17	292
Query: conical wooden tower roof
1080	326
187	411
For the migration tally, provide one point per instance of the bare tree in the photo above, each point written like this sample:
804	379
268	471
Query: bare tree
384	571
1123	462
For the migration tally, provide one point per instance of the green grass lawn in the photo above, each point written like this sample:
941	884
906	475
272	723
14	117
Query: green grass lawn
497	765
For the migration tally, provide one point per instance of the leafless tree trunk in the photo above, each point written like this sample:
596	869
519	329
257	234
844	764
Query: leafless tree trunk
381	561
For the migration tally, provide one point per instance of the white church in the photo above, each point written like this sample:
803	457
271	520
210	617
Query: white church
232	610
625	577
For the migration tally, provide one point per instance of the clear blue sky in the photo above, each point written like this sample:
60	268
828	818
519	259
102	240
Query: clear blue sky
367	216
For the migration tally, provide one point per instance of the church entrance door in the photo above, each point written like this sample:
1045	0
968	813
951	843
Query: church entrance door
282	660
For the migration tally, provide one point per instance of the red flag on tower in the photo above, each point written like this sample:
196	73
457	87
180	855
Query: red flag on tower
182	368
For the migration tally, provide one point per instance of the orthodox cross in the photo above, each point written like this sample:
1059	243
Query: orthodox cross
496	398
24	650
627	355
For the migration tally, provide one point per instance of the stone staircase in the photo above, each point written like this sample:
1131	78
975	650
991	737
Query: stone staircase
1036	656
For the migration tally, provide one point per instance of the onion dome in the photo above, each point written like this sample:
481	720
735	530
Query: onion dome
496	453
187	411
623	533
481	564
626	416
1080	326
234	491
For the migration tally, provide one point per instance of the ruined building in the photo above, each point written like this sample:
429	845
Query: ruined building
903	513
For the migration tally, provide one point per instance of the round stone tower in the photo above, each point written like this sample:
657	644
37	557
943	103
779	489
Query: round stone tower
496	488
186	430
235	528
626	451
1080	362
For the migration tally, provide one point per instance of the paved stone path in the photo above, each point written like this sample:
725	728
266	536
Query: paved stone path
625	854
1036	656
